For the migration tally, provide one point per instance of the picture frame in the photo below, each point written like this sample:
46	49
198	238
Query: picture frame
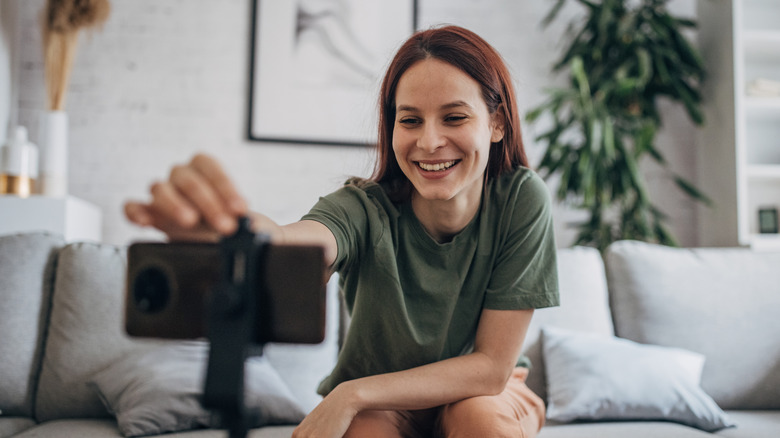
316	67
767	220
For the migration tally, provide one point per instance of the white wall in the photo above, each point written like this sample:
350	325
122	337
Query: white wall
164	79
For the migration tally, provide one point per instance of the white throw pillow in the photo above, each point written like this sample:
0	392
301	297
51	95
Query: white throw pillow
598	377
159	391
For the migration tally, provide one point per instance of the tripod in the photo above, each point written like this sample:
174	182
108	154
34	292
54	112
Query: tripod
232	320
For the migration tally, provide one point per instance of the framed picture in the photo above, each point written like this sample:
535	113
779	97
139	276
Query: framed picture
316	67
767	220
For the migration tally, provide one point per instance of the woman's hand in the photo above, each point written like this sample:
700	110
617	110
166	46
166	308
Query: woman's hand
331	418
197	202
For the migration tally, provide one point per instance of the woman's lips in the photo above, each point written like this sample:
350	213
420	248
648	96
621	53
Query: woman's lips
436	169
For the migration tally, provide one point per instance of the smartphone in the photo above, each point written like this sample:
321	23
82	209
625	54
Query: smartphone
169	287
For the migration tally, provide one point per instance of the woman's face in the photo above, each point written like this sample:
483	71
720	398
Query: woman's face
443	131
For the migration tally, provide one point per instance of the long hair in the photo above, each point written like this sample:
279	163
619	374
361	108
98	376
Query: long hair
473	55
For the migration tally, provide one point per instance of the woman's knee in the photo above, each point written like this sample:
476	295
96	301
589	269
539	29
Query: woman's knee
491	416
380	424
472	417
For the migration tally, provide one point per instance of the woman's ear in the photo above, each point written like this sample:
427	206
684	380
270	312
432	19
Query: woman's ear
498	123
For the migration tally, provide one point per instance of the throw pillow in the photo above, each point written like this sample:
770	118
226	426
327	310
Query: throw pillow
157	391
598	377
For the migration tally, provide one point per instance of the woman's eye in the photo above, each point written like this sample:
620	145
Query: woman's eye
409	121
454	119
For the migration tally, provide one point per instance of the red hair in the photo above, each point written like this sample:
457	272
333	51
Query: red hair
473	55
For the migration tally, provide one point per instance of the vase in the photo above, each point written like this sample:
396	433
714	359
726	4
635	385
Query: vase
53	149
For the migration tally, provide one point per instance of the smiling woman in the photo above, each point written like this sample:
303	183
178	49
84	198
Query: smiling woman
443	254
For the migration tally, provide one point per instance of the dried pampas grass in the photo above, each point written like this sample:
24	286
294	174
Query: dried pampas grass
62	20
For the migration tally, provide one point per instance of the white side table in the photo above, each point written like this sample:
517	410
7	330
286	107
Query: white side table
71	217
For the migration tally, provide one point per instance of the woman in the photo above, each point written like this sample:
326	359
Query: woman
443	253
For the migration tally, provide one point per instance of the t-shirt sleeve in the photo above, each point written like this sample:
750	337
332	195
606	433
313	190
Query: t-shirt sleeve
345	213
525	274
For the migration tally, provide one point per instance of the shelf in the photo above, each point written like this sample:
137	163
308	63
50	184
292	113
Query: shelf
73	218
764	171
762	43
765	242
740	43
755	103
762	38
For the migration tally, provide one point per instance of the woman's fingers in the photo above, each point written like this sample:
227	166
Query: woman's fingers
138	214
202	198
197	199
220	182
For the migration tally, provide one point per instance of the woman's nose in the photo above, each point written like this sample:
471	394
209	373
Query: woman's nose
431	138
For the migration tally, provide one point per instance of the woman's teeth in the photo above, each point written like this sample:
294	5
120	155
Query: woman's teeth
436	167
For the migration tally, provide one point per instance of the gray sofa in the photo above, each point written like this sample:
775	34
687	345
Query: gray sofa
696	327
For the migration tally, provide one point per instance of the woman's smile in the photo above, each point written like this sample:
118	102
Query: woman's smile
436	169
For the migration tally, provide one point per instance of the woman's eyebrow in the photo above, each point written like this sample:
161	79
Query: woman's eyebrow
454	104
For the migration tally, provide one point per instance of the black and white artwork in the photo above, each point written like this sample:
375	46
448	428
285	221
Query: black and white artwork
317	65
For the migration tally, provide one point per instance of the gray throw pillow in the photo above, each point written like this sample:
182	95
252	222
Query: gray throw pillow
598	377
157	391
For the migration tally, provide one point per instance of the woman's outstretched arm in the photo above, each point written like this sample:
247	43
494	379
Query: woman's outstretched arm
199	202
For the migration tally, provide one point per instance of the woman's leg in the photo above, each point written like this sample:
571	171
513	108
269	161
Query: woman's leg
517	412
392	424
380	424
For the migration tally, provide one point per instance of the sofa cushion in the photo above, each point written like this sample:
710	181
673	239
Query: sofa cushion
86	334
753	424
106	428
597	377
584	307
26	273
624	429
159	391
10	426
721	303
85	330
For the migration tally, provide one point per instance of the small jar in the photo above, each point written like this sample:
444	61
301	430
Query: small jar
18	165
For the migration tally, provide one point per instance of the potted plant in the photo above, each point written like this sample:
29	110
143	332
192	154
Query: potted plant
621	58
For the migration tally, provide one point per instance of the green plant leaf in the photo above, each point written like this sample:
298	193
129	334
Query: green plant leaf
692	191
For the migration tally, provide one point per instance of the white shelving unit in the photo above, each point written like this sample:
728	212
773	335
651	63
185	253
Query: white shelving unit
739	147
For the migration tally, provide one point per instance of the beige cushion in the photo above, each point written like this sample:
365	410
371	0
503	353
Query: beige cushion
722	303
86	330
26	270
584	307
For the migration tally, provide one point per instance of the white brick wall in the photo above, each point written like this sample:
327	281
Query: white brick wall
166	78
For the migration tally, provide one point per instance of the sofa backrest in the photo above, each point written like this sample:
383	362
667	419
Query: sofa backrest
85	330
86	334
584	307
26	272
722	303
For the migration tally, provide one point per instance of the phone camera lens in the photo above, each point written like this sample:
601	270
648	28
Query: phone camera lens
151	290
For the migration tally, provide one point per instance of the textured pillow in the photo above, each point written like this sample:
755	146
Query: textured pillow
158	391
596	377
720	302
584	307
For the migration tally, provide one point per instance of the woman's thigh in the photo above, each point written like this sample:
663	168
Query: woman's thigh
516	412
395	424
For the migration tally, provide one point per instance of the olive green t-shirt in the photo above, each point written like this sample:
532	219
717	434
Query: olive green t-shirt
415	301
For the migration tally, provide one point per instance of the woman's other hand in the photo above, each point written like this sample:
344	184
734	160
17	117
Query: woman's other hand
197	202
